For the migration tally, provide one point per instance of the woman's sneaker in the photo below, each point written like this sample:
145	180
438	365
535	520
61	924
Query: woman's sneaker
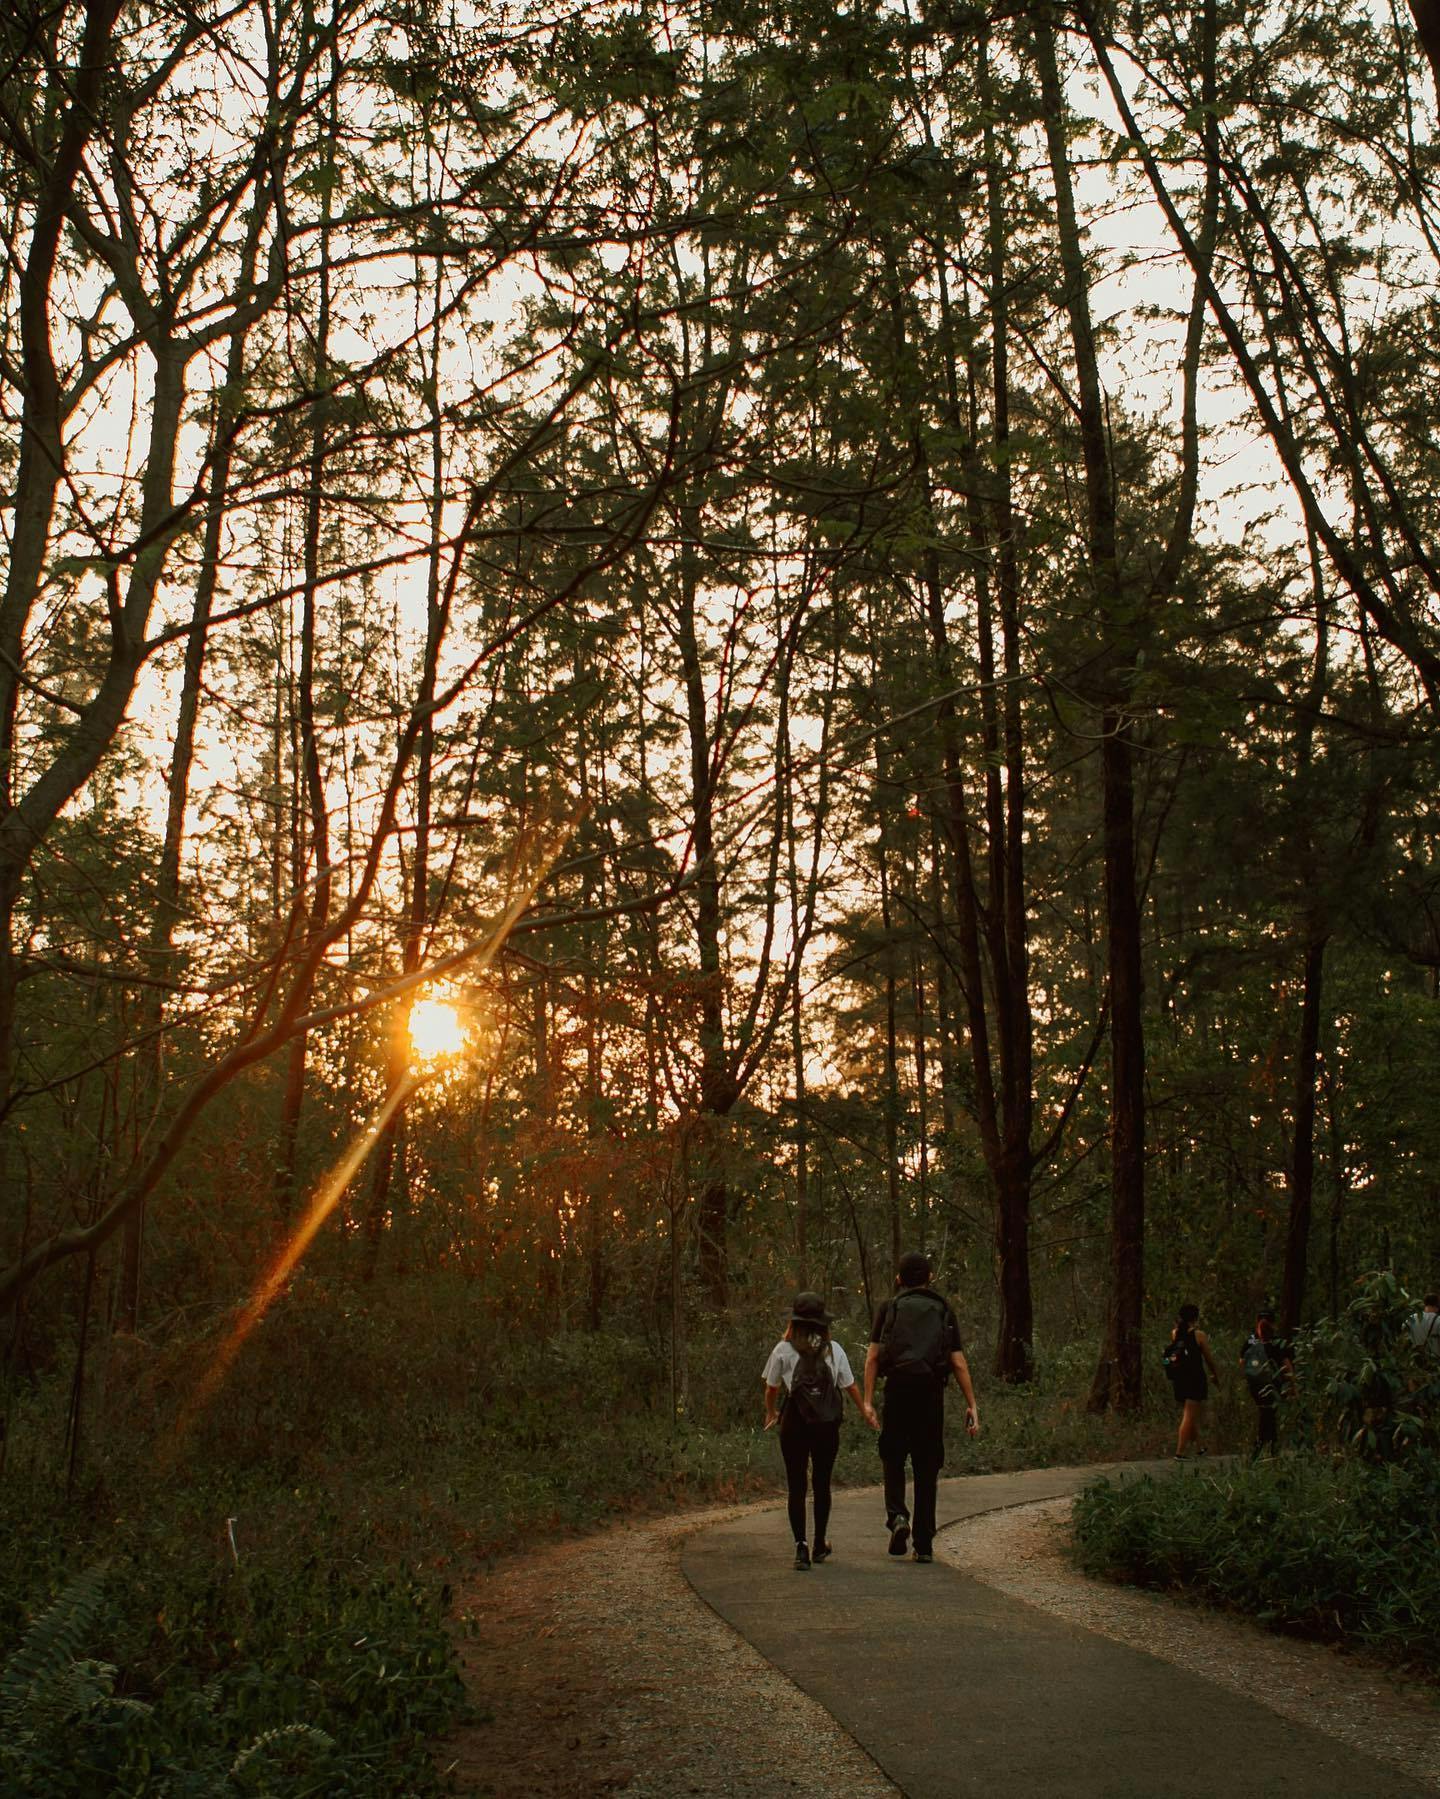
802	1556
822	1550
899	1534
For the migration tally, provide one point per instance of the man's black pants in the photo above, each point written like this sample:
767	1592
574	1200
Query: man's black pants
1268	1421
913	1429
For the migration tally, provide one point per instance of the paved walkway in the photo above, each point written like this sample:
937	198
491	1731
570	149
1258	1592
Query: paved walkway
957	1690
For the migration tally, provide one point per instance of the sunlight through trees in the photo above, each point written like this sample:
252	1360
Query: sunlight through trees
943	504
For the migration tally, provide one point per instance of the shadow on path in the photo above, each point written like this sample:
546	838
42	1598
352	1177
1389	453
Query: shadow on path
957	1690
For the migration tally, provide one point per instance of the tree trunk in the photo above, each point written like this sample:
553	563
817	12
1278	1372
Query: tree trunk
598	1183
1119	1377
891	1101
416	902
1426	14
1302	1160
991	930
316	826
797	1073
717	1093
922	1095
182	756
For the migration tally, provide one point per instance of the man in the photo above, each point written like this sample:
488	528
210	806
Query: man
1265	1362
1424	1327
915	1344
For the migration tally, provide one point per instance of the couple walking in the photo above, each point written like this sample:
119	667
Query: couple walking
915	1344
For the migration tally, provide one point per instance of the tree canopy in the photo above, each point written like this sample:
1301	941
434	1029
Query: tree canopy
855	587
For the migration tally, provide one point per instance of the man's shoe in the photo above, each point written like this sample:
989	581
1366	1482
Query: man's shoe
802	1556
822	1550
900	1535
923	1555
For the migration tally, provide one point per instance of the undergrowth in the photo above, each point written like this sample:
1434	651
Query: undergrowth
275	1606
1345	1552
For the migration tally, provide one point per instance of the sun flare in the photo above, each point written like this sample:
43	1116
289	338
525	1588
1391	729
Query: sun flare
435	1029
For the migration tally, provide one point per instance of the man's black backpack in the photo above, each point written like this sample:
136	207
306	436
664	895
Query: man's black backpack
813	1391
915	1335
1258	1366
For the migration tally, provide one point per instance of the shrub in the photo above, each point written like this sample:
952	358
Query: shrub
1364	1387
1344	1551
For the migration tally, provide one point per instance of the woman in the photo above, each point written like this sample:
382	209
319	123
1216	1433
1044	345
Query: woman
813	1372
1188	1358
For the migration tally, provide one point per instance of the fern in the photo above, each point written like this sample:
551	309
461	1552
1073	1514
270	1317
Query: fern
48	1687
45	1681
283	1735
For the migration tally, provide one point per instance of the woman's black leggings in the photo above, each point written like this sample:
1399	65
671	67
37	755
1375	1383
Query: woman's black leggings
804	1445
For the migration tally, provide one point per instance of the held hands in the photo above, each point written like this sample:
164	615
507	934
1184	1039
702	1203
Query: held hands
869	1414
771	1420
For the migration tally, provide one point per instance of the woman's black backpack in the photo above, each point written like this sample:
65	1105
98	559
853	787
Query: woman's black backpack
813	1391
1178	1356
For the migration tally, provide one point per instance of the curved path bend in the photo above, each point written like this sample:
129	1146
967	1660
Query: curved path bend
955	1689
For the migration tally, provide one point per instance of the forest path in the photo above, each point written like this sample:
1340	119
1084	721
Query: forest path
957	1688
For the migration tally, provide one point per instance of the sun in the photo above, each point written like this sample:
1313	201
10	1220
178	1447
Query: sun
435	1029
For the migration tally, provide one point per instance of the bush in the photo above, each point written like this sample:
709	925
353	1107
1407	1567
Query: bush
1344	1551
1365	1389
1337	1542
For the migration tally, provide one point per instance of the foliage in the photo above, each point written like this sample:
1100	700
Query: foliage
1366	1388
1345	1551
63	1730
312	1672
1336	1540
51	1697
790	486
684	424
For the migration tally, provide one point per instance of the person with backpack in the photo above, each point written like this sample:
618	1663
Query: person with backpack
1423	1327
1265	1363
805	1377
915	1343
1187	1356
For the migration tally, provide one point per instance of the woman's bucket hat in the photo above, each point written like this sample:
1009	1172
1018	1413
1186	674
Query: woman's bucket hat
809	1308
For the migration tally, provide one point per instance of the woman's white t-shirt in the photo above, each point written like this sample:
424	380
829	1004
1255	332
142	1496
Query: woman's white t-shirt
785	1358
